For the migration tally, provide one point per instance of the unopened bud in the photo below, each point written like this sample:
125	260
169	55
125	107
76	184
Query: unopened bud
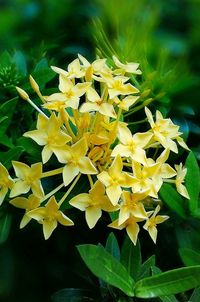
22	93
34	85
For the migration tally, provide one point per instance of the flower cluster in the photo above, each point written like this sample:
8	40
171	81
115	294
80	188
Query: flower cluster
82	126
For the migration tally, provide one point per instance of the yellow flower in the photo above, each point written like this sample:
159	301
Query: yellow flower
128	67
29	178
96	67
68	97
132	145
152	222
49	216
163	170
127	102
73	70
75	160
49	135
114	179
131	205
131	226
93	203
28	204
6	182
181	172
97	104
118	86
143	178
164	131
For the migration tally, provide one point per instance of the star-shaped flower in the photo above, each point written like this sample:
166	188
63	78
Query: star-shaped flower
152	222
49	216
76	161
97	104
29	178
132	145
28	204
114	179
6	182
74	70
181	172
93	203
164	131
126	68
49	135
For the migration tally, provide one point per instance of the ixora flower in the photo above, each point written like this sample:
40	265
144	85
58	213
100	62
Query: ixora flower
49	216
6	182
86	134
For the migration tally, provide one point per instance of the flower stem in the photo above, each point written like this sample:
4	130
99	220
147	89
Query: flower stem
69	190
52	192
52	172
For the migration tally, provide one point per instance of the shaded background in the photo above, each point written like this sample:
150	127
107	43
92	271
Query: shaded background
163	36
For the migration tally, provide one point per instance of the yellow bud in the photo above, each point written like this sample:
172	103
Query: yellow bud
34	85
22	93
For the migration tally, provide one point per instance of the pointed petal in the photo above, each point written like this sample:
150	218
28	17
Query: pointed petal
46	154
64	220
40	137
86	166
69	173
105	178
81	201
116	167
132	231
25	220
92	215
48	227
3	193
107	110
20	202
114	193
21	169
20	187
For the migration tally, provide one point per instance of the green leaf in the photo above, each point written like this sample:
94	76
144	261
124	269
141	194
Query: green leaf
7	109
146	267
174	201
13	154
195	297
192	181
168	283
5	224
131	257
106	267
73	295
112	246
43	73
5	59
20	62
189	257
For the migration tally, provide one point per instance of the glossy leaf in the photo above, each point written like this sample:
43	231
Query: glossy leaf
73	295
106	267
146	267
131	257
195	297
168	283
173	200
112	246
192	181
189	257
13	154
5	224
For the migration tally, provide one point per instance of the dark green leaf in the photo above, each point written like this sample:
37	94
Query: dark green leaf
43	73
73	295
7	109
131	257
145	270
189	257
195	297
5	59
5	224
112	246
106	267
13	154
192	181
168	283
174	201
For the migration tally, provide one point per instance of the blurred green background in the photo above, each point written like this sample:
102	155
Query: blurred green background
163	36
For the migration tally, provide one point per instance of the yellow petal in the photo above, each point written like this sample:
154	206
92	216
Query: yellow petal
48	227
121	150
81	201
132	231
63	219
86	166
21	169
25	220
20	187
105	178
114	193
80	148
46	154
37	189
40	137
3	193
20	202
116	167
92	215
69	173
